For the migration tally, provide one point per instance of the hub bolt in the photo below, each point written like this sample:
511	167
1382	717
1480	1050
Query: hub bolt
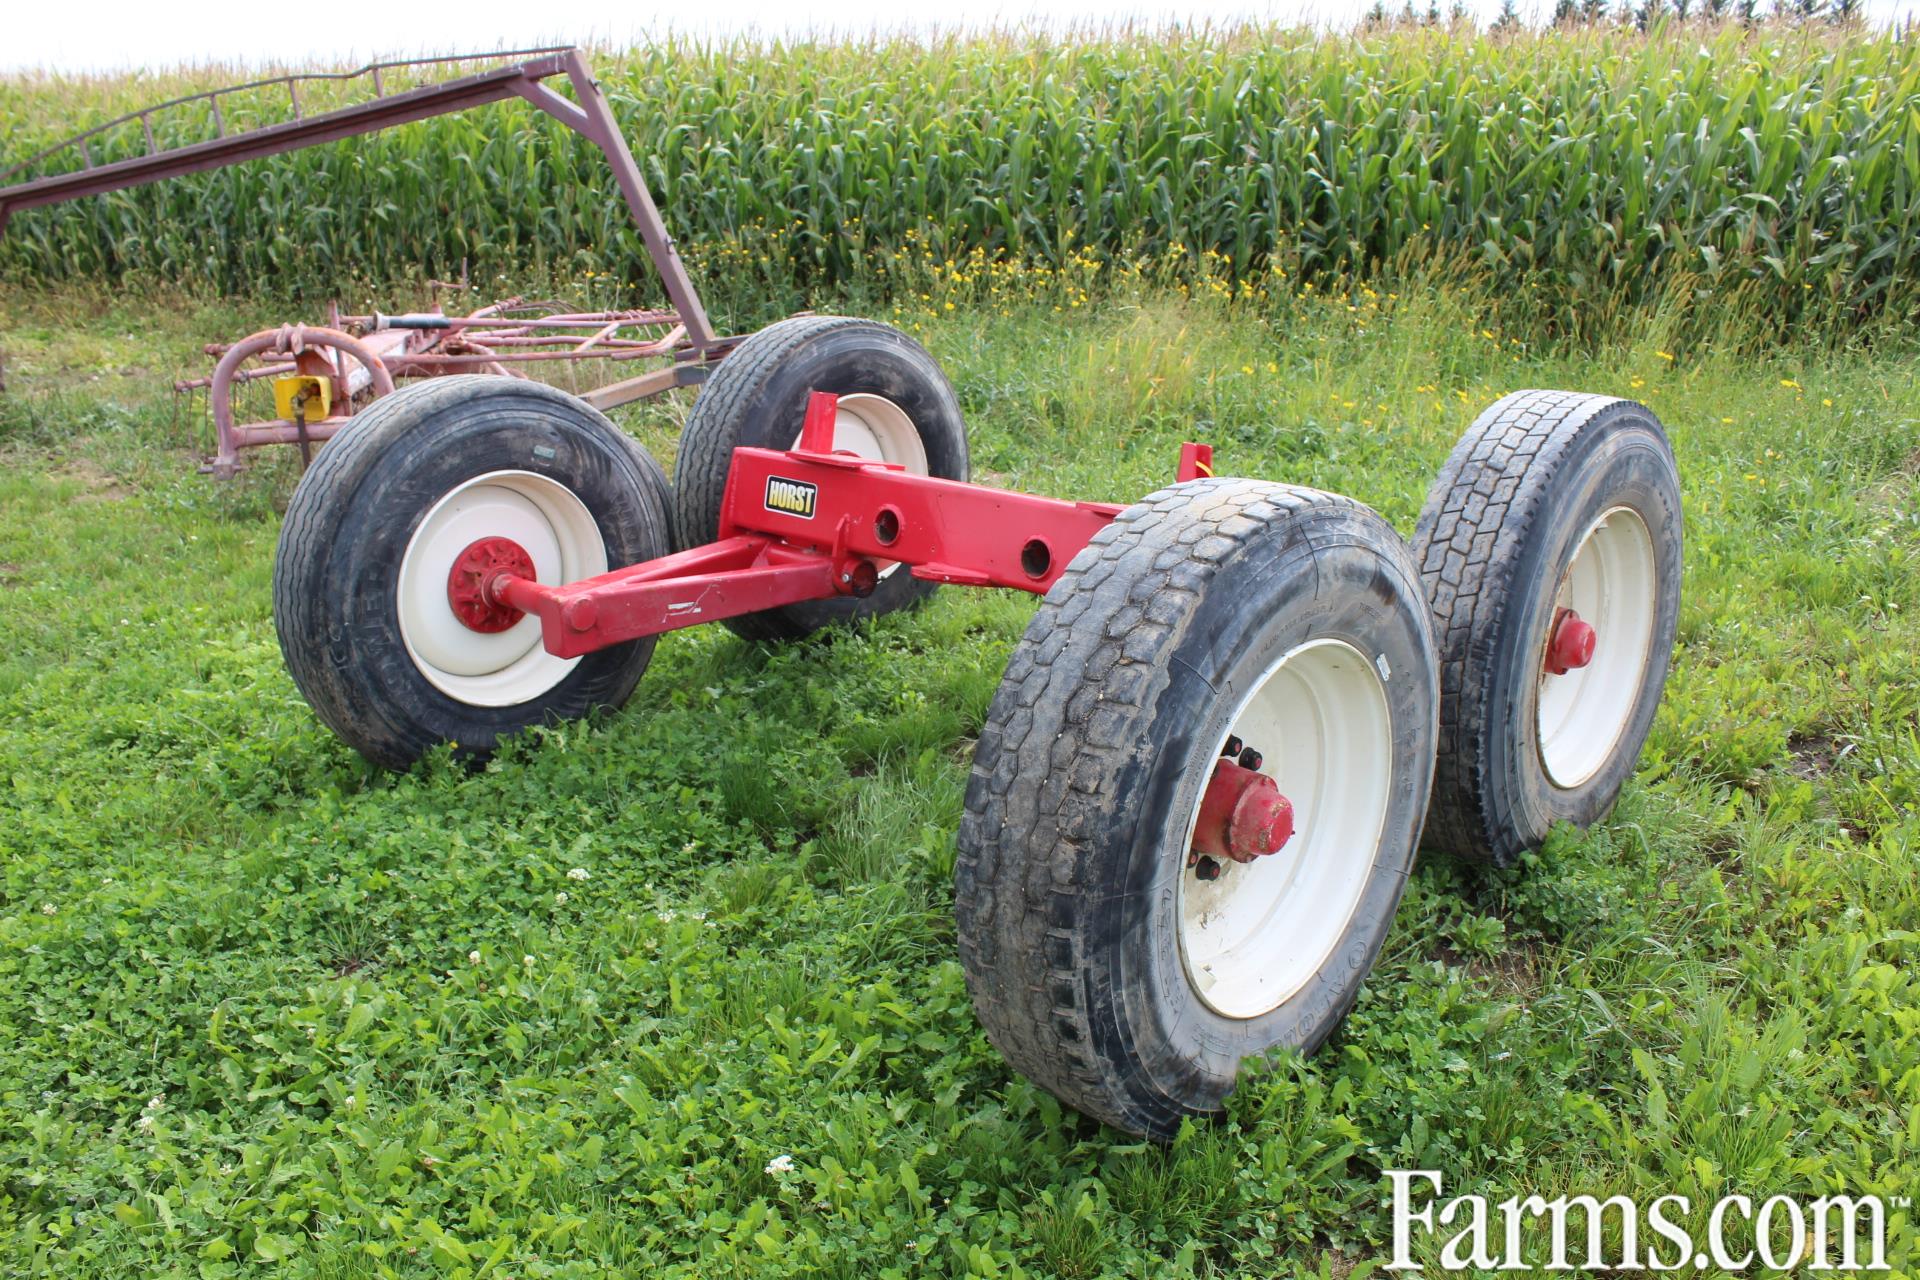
470	579
1242	815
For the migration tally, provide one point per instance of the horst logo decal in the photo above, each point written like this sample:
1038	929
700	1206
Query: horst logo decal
791	497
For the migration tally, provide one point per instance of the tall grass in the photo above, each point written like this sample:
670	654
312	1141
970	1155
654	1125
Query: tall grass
1781	165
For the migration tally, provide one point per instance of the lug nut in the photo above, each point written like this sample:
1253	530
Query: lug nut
1206	869
1251	759
1233	745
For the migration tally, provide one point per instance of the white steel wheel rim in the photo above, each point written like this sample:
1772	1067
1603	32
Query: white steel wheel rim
1256	936
874	427
1613	583
558	533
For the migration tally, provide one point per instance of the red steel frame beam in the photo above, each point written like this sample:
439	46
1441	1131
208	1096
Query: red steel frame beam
809	524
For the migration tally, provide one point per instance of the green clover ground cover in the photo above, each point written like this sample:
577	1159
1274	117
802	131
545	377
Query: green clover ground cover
675	993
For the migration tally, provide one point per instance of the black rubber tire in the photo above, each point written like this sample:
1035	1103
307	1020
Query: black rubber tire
1500	527
337	563
757	398
1103	731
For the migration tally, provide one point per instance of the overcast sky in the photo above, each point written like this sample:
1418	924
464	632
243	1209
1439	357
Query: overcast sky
116	34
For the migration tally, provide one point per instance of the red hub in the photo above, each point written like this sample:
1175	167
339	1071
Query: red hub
472	575
1570	643
1243	816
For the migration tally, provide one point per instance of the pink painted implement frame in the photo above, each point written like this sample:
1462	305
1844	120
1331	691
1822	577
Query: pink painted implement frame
693	345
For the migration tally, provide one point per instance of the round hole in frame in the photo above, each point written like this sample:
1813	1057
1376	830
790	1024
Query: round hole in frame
1036	558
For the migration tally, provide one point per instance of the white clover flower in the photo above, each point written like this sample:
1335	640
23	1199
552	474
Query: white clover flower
47	908
665	917
578	873
528	961
145	1122
347	1101
156	1102
779	1165
560	899
473	957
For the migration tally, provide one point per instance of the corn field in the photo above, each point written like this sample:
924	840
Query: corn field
1586	165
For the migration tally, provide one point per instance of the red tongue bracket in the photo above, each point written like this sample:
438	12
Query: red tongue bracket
1243	816
1570	643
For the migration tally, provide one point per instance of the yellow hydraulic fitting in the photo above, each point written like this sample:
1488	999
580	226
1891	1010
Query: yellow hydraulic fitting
302	397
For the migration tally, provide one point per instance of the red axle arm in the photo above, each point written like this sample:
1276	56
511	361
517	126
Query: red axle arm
808	525
720	580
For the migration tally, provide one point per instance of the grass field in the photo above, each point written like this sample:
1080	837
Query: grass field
264	1010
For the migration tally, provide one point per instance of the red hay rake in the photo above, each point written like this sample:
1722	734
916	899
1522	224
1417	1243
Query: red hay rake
319	375
322	373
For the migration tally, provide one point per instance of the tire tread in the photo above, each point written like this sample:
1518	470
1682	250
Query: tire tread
1486	501
711	432
1094	660
305	576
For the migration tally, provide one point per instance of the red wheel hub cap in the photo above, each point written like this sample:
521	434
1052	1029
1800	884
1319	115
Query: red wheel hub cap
1570	646
1243	816
472	574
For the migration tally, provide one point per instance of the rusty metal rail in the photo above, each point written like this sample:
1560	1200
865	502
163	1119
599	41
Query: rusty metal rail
166	162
